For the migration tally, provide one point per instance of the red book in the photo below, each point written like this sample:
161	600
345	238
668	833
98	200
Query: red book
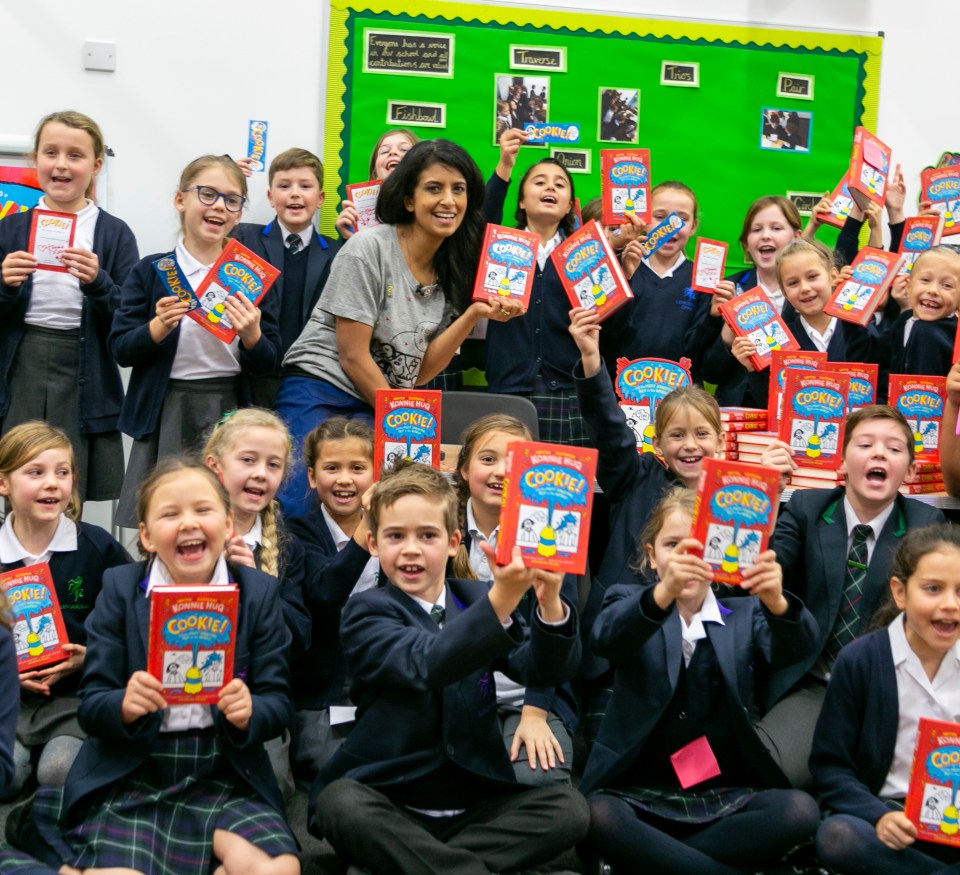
920	233
931	803
740	414
590	271
547	505
50	233
752	315
779	362
364	196
577	214
941	187
237	270
863	383
814	415
734	515
709	261
193	635
625	185
921	488
842	203
869	169
857	299
920	399
641	385
508	263
406	426
38	628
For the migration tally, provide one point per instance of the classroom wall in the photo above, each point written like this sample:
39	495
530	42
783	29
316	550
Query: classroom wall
191	73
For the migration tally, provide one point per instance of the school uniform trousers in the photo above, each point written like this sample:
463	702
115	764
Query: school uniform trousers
9	705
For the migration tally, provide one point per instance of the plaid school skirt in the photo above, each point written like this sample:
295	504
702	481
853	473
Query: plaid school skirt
558	416
162	818
704	807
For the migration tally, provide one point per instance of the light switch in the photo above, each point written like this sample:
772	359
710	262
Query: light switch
100	56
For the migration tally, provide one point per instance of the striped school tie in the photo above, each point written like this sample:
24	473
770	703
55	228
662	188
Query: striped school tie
847	626
294	242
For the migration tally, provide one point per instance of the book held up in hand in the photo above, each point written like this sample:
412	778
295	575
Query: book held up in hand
590	271
364	196
869	169
931	803
752	315
508	263
625	185
38	629
813	416
857	299
406	426
921	399
50	233
642	384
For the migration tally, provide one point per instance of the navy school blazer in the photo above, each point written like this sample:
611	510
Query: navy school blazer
290	579
98	379
117	632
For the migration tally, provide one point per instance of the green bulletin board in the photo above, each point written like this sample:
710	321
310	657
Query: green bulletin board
702	127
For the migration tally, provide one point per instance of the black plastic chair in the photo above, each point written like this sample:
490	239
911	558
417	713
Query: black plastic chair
460	409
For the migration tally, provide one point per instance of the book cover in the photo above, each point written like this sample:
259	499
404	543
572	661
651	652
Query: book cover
406	426
779	362
50	233
590	271
869	169
752	315
666	230
237	270
931	803
508	263
547	505
734	515
625	185
364	196
921	400
863	383
856	299
814	415
709	261
641	385
842	204
193	634
38	630
920	233
941	187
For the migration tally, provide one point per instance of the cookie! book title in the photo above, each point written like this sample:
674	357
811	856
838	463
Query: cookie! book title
641	385
734	515
193	631
406	426
920	233
863	383
813	416
921	400
856	299
931	803
869	169
941	187
38	630
803	360
590	271
547	505
752	315
625	184
508	263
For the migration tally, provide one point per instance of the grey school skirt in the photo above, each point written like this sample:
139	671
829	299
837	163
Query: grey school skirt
190	409
43	385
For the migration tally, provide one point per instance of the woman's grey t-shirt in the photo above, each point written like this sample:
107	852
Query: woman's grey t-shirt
370	282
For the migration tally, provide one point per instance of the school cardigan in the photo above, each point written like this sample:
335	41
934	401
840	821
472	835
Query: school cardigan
643	643
290	580
98	379
810	540
9	705
133	347
117	632
856	734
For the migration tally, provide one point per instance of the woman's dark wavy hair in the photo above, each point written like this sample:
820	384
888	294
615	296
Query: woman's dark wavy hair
456	260
569	220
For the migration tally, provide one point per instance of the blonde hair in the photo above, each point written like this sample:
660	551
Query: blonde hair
798	246
205	162
677	498
412	478
688	396
410	136
81	122
225	435
27	441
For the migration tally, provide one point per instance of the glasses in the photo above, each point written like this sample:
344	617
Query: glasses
209	196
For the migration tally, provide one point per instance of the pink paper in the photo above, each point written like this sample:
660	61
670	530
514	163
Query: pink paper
695	763
874	156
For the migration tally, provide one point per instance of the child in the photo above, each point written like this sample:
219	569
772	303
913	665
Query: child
166	789
949	439
9	704
423	783
818	535
880	687
54	324
537	722
38	479
688	671
396	305
291	243
338	455
184	378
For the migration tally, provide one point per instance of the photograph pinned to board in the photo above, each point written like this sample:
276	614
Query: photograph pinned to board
619	115
519	100
785	129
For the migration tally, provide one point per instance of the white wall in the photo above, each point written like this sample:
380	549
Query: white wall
191	73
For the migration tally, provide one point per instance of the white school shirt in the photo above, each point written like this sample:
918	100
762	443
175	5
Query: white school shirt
820	341
775	295
306	235
178	718
253	537
694	631
918	697
56	300
368	577
670	271
64	540
544	249
200	355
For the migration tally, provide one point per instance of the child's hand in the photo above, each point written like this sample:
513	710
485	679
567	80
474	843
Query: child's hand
724	292
633	253
779	455
953	384
499	309
765	579
822	209
845	273
742	349
682	568
30	680
80	263
927	209
52	673
621	236
534	734
510	142
510	582
244	317
585	331
144	695
16	267
727	335
239	553
169	311
236	704
896	195
895	831
363	527
874	216
246	166
900	291
347	220
546	585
